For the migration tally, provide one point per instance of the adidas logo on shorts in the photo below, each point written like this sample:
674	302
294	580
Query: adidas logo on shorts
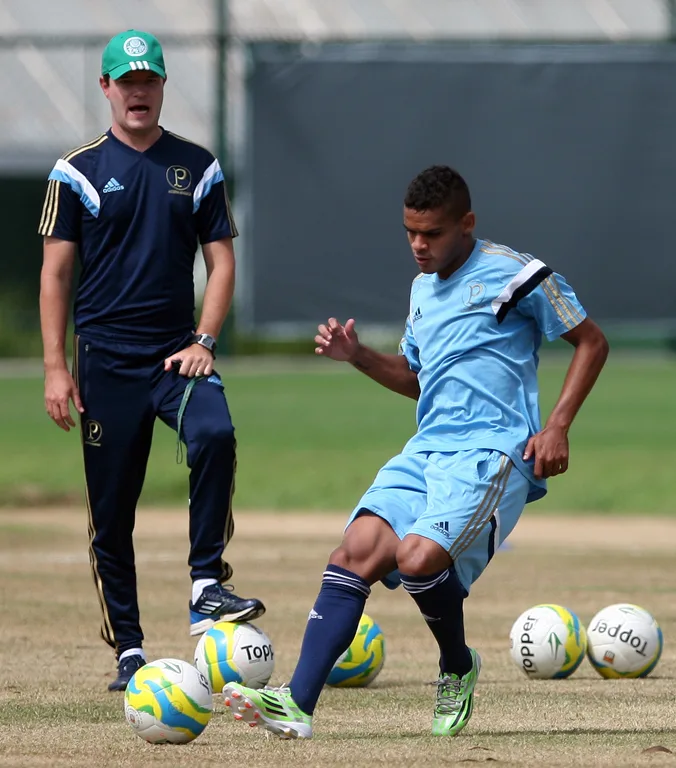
113	186
442	527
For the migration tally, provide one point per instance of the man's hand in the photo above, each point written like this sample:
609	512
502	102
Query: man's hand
550	448
340	342
60	389
195	360
337	341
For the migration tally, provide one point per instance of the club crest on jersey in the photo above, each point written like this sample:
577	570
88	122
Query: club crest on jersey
179	179
135	46
473	294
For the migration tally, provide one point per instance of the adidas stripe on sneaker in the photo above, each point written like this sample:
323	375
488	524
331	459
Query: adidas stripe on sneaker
272	708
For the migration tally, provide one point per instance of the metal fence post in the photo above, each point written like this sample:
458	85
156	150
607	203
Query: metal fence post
671	10
226	340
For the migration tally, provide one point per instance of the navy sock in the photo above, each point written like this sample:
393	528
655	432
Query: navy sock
330	629
440	597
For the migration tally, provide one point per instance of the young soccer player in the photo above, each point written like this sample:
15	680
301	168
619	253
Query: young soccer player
437	512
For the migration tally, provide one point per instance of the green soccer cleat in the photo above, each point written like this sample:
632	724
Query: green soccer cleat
455	700
273	708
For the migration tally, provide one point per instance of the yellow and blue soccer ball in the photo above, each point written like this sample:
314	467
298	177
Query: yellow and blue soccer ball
624	641
235	652
548	642
362	661
168	702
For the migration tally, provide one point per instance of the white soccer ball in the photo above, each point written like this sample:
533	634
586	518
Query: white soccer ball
624	641
168	702
235	652
548	641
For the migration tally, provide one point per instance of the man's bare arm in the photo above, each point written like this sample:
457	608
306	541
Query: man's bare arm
219	257
340	342
55	285
390	371
550	446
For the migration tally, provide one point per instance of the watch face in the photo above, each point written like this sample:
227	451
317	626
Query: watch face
206	341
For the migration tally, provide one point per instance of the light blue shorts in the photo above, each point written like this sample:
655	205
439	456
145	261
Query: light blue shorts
466	501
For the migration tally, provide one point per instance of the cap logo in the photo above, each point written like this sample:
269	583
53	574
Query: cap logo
135	46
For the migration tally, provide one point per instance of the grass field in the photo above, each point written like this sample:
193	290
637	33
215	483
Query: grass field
312	434
55	711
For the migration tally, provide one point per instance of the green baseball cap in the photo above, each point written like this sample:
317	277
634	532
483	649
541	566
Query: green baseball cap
130	51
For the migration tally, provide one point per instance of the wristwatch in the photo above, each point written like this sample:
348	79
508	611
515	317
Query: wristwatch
206	341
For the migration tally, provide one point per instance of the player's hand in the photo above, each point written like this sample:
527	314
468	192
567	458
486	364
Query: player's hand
339	342
60	389
550	449
194	360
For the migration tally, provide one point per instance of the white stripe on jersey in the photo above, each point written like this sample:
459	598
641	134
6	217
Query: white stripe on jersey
516	282
79	183
212	175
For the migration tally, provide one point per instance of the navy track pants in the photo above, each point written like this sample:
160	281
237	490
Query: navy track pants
124	388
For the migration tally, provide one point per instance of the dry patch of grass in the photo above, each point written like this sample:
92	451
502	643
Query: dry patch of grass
54	709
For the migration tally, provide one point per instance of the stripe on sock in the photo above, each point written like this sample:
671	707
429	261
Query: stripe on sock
416	587
353	583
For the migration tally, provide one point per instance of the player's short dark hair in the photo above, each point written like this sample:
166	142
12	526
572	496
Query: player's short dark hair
439	187
106	79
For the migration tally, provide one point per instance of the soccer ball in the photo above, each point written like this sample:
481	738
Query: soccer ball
548	641
362	661
624	641
235	652
168	702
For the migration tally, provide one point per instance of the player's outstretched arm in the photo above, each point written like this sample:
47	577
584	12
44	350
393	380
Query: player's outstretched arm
340	342
550	446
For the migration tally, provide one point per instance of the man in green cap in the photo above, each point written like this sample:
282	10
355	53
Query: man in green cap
133	204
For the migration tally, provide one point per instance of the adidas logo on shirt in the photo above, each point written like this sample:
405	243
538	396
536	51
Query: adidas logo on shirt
113	186
417	315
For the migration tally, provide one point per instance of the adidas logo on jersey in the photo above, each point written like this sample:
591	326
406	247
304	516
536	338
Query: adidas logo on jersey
416	315
442	527
113	186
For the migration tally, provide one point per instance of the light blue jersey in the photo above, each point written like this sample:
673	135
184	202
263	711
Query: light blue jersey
473	340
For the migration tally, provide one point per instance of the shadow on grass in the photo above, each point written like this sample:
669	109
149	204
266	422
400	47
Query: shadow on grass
464	739
561	684
577	732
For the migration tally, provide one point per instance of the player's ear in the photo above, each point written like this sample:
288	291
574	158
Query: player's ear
468	223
